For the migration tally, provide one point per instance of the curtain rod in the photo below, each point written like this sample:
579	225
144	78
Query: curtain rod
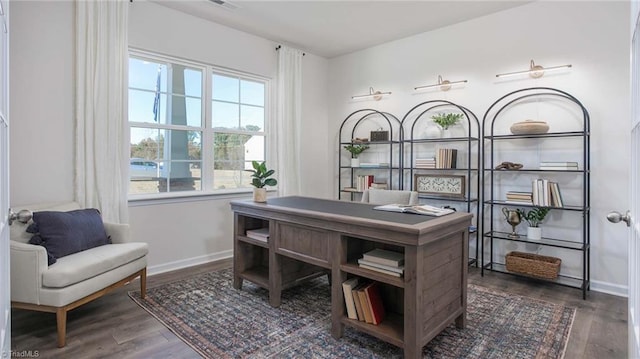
279	46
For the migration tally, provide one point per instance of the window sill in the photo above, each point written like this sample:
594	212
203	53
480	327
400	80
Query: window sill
178	197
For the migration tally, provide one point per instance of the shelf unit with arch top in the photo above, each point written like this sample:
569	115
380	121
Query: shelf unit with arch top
418	142
565	230
383	158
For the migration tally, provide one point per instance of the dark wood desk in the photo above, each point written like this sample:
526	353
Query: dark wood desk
311	237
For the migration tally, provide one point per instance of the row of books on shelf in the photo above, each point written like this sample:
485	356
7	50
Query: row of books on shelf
445	158
543	193
260	234
363	182
363	300
561	166
366	182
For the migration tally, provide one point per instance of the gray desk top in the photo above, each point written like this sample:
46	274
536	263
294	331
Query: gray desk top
351	209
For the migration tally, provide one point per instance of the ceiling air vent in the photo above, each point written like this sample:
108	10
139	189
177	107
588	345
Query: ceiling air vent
225	4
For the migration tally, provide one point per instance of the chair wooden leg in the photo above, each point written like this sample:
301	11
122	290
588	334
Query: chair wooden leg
61	318
143	283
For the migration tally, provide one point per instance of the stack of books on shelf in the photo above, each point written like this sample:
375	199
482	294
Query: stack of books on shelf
516	197
427	163
546	193
374	164
363	300
383	261
363	182
561	166
260	234
446	158
378	185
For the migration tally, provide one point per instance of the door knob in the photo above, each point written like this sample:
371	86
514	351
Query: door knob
615	217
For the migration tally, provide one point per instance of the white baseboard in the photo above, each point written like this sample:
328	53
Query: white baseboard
189	262
613	289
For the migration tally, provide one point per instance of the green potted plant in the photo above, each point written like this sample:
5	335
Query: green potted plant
446	120
261	177
534	217
355	150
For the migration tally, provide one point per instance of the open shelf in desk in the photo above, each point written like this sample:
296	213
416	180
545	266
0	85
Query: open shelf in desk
255	242
258	275
355	269
390	330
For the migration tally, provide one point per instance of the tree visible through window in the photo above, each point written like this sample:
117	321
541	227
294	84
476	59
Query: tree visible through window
238	120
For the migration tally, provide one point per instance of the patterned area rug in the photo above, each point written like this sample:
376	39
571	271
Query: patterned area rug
216	320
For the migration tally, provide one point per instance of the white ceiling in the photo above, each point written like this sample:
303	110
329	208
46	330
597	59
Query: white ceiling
333	28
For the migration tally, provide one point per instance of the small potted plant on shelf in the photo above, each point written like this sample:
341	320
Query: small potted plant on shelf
261	178
446	120
534	217
355	150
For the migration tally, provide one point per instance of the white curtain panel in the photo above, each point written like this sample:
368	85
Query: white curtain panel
102	138
288	121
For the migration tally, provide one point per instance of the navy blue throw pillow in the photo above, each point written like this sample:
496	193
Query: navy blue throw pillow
37	240
64	233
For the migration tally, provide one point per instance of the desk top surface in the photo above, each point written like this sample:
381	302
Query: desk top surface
351	209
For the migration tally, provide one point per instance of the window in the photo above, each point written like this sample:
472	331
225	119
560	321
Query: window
194	128
237	113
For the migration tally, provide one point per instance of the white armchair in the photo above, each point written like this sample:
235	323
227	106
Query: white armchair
383	196
74	279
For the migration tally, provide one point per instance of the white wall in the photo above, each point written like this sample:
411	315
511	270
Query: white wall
42	82
592	36
179	233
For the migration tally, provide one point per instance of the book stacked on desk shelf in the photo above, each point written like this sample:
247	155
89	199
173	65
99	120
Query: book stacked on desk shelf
363	301
260	234
383	261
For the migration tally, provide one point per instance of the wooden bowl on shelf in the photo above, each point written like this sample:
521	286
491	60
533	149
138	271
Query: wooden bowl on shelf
529	127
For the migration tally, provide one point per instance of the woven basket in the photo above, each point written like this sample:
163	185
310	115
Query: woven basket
533	265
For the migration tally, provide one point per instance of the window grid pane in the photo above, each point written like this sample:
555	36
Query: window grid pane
164	97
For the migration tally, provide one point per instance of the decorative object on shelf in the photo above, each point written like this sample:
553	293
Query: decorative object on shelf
534	217
444	85
379	135
432	131
355	150
533	265
261	178
534	71
360	140
447	185
510	166
514	218
446	120
529	127
376	95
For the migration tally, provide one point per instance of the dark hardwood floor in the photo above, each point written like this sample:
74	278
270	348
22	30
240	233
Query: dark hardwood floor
115	327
